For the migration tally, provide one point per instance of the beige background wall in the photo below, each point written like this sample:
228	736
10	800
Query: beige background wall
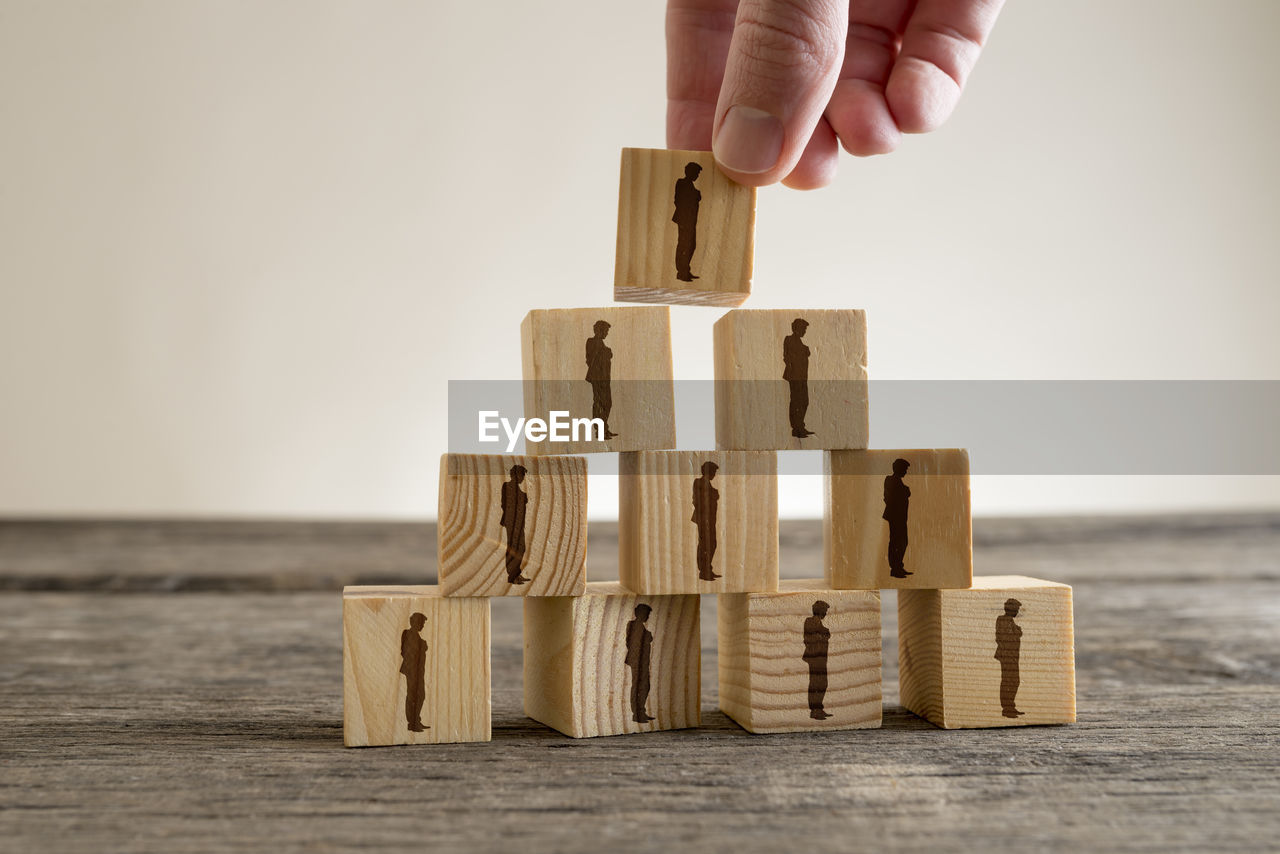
244	245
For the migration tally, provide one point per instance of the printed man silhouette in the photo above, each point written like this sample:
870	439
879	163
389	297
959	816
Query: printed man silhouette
706	500
514	501
896	497
600	374
639	647
413	664
687	199
1008	651
795	370
816	638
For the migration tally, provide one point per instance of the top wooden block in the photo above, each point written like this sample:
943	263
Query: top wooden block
791	380
608	363
686	231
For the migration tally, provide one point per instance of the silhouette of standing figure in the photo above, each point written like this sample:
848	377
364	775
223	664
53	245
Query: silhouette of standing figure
514	501
795	370
413	664
599	374
706	500
1008	651
816	638
688	197
639	646
896	497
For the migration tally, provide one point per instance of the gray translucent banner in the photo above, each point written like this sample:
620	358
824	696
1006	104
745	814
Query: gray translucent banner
1010	427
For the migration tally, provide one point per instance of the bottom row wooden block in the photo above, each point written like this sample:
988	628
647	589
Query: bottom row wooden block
1001	653
612	661
415	667
804	658
416	664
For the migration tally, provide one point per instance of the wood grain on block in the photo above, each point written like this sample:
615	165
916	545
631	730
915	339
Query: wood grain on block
415	667
612	364
791	379
803	658
612	662
512	525
897	519
999	654
698	521
686	231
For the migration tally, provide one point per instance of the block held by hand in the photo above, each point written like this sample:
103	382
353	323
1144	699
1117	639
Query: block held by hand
686	231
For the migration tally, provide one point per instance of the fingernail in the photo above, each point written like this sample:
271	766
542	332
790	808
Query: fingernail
749	141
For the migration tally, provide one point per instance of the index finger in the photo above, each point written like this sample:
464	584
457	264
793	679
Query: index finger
698	37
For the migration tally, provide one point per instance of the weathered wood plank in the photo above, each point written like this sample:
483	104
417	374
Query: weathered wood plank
199	721
190	556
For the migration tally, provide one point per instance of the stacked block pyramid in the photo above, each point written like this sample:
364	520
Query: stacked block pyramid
607	658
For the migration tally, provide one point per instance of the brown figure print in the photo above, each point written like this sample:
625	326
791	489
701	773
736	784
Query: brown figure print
413	664
795	370
706	501
1008	651
600	375
687	199
816	640
639	649
897	495
514	502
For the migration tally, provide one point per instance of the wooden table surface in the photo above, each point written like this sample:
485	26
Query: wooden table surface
176	686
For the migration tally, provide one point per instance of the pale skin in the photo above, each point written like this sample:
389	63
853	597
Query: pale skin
776	87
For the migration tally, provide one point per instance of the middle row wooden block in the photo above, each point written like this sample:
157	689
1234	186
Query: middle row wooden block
512	525
698	521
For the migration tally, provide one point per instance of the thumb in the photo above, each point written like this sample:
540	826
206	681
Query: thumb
783	62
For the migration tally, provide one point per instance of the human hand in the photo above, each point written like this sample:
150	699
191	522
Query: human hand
770	85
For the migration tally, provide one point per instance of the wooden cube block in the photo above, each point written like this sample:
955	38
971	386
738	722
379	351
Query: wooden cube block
698	521
803	658
512	526
897	519
415	667
790	380
686	231
999	654
612	662
610	364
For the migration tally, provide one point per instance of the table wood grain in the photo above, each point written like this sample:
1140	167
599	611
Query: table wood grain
176	686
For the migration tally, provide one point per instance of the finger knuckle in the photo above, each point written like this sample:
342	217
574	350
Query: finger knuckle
786	38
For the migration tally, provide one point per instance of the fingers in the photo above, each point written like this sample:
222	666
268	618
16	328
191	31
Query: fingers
859	112
698	35
939	48
780	72
818	165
